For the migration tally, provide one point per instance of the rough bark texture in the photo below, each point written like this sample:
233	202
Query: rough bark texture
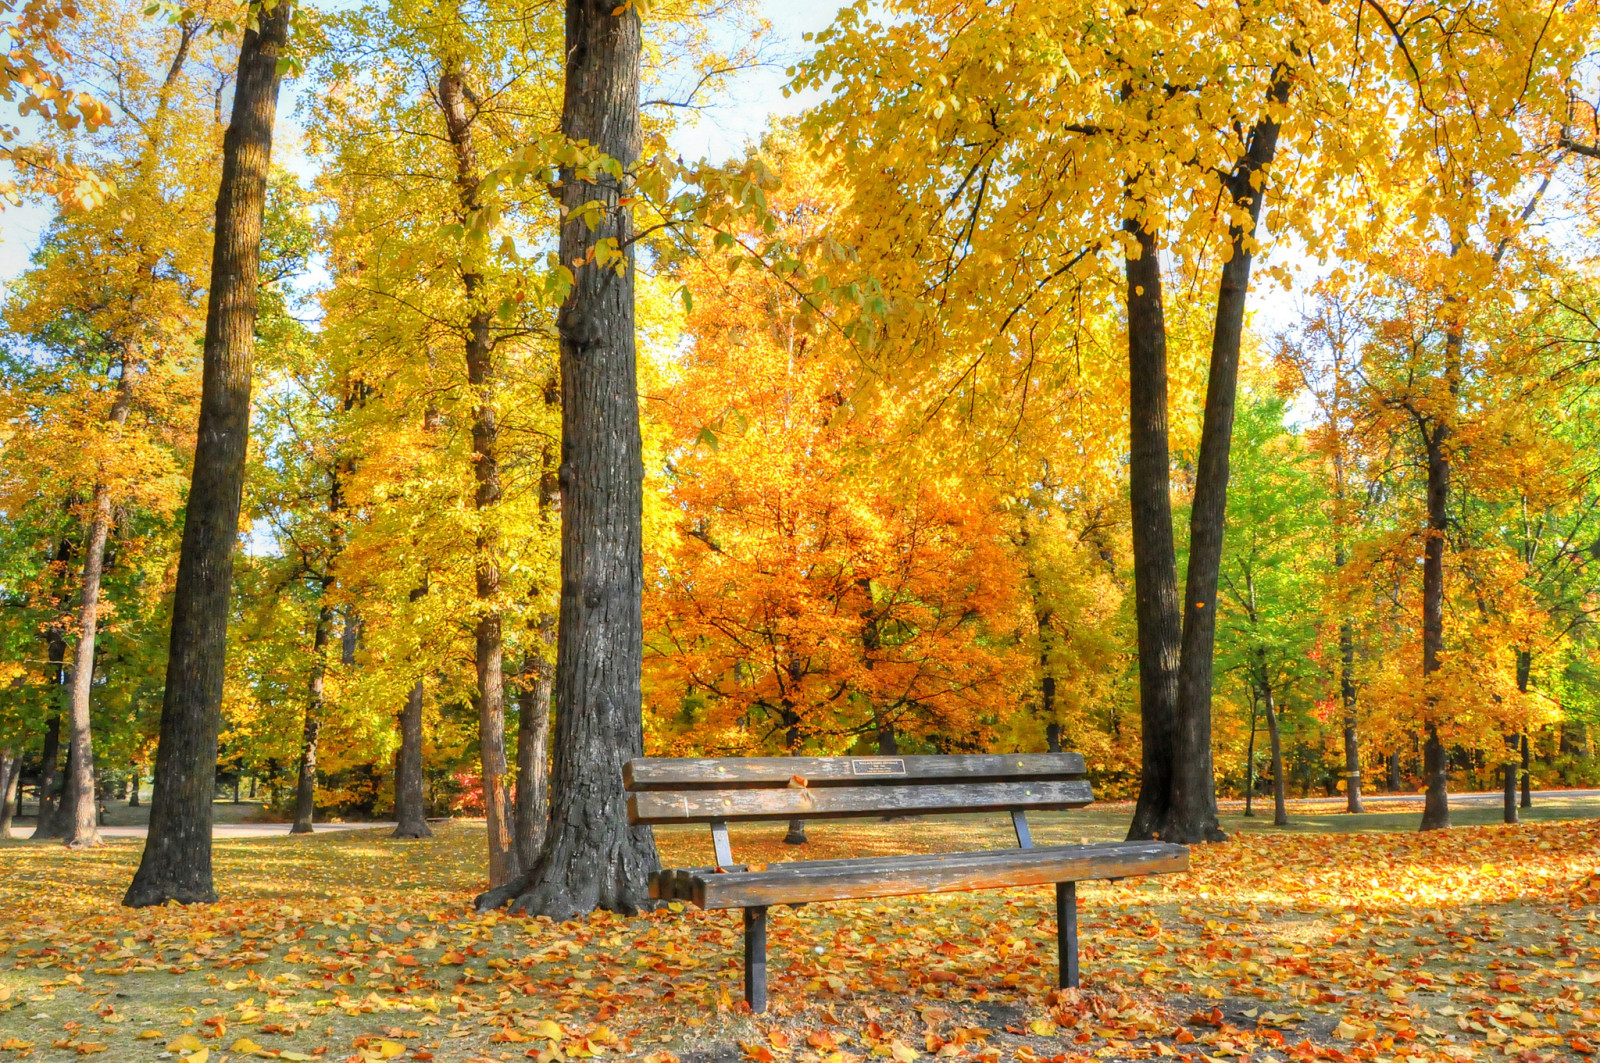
592	858
489	649
177	856
1155	576
410	811
533	754
305	794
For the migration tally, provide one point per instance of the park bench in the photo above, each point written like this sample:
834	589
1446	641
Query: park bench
755	789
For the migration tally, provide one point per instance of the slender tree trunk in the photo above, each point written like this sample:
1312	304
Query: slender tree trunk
305	796
1280	807
1436	766
135	783
1510	772
410	812
1250	761
1155	575
82	832
177	855
10	773
1527	774
489	648
592	858
1347	692
796	835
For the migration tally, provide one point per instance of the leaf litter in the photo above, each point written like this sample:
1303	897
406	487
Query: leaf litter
1477	943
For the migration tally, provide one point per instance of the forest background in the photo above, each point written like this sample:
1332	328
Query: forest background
890	487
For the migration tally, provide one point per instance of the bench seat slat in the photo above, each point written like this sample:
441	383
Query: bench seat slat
842	801
704	773
934	873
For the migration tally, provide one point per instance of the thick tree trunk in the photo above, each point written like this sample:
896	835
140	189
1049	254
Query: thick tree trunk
1436	767
305	794
533	752
49	759
796	834
1155	575
177	855
410	812
592	858
488	642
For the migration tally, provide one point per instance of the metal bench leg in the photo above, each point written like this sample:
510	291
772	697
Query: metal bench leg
755	959
1067	932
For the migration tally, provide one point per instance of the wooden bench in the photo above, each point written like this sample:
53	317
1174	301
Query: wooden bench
756	789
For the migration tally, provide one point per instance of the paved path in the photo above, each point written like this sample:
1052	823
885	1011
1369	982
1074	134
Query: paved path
1488	798
247	830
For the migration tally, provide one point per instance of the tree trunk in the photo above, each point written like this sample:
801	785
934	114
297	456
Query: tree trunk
10	774
1347	692
177	855
1436	767
533	752
1527	774
49	758
489	649
305	795
1510	771
134	783
592	858
1280	807
1250	762
410	812
82	832
1155	576
796	834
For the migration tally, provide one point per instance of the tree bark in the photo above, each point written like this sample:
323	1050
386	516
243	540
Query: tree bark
592	857
488	642
1347	692
1155	576
10	775
1510	769
177	855
410	812
1436	767
1280	807
1527	774
1436	805
305	795
1250	761
134	783
533	751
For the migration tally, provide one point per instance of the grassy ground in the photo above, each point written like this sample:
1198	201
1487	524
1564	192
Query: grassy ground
1355	942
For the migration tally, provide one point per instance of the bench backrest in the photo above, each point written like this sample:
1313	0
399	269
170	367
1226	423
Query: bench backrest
745	789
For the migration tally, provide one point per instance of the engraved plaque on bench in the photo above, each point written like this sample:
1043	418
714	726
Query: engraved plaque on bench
877	766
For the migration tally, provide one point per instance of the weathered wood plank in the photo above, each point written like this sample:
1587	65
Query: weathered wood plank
831	802
992	869
728	773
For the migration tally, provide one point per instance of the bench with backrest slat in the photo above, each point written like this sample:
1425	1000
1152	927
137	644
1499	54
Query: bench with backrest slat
756	789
